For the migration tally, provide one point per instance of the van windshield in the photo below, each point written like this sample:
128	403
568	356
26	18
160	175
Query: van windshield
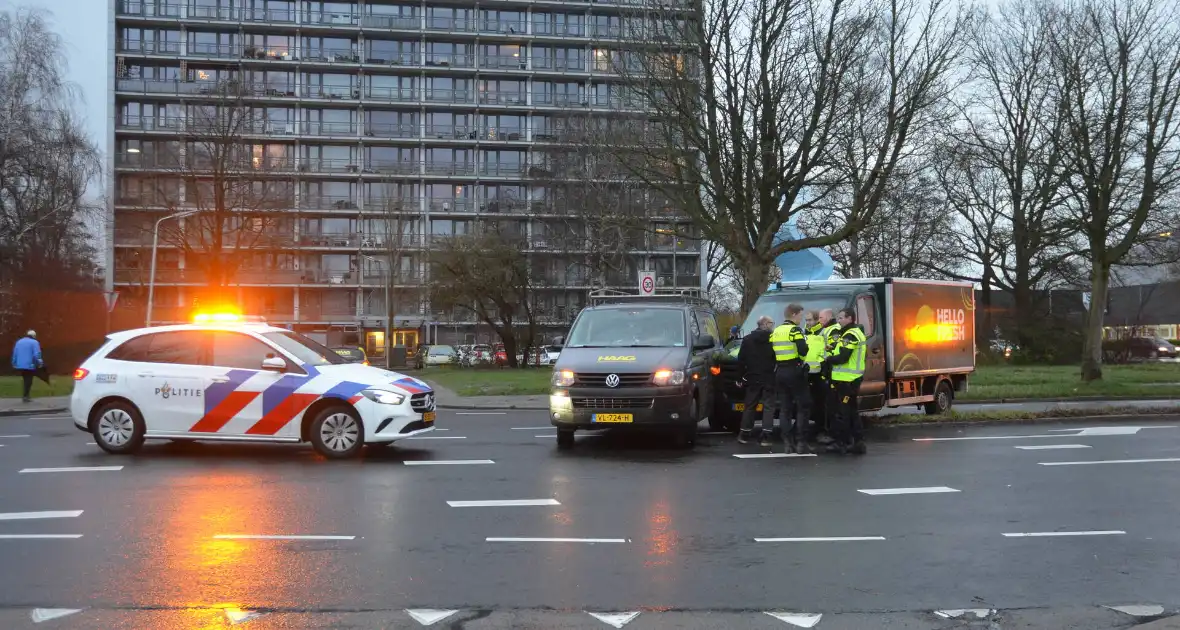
775	306
628	328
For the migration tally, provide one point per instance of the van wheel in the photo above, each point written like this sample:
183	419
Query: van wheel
565	439
119	428
337	433
944	397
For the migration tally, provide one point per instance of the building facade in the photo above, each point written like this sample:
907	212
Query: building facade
378	127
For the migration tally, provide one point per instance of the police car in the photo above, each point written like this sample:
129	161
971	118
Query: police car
222	378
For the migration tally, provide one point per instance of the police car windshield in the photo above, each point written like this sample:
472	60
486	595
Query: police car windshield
628	328
774	305
305	350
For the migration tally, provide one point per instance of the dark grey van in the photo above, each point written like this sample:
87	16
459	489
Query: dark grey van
636	363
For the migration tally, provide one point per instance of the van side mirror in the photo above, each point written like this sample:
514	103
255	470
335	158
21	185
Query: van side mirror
704	342
274	364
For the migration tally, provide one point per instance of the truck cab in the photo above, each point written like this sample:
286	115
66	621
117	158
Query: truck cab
920	340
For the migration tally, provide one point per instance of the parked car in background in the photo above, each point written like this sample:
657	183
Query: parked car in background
352	355
1152	348
440	355
483	354
549	354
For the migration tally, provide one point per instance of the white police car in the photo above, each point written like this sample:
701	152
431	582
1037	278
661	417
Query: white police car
234	381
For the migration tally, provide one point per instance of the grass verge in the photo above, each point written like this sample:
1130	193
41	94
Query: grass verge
10	387
491	381
1000	416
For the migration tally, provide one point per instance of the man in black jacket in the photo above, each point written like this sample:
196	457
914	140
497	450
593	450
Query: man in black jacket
756	358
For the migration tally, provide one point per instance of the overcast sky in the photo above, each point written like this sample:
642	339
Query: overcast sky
82	24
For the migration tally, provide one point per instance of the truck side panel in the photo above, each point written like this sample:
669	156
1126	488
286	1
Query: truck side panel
932	328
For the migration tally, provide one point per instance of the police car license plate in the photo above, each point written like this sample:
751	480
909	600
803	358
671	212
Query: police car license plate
612	417
742	407
428	416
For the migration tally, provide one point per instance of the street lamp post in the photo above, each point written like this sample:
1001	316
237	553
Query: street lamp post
388	313
155	245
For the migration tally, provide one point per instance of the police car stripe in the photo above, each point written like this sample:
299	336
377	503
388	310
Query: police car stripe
282	414
278	392
217	392
231	406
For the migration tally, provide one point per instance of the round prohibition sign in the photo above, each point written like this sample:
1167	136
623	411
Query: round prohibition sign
649	285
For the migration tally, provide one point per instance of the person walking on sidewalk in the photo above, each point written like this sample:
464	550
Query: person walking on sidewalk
790	381
756	357
26	359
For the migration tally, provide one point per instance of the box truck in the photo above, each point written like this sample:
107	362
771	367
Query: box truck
920	336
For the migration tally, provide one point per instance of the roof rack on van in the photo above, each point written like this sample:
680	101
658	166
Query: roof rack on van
674	296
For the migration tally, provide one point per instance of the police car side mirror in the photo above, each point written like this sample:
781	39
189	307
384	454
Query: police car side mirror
274	364
704	342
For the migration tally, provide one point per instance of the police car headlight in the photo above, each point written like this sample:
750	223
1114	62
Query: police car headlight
563	378
383	397
668	377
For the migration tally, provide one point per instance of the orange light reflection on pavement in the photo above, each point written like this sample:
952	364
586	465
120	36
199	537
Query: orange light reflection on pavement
662	538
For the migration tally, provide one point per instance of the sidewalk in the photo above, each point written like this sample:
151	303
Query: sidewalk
46	405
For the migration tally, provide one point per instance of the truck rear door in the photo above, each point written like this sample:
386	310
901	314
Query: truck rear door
869	316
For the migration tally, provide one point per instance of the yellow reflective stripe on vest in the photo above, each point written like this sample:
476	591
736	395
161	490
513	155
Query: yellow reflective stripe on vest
854	368
831	334
783	341
815	352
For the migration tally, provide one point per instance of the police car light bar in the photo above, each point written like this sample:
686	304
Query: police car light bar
226	318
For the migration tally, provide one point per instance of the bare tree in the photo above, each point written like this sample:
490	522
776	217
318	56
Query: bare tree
782	104
1117	75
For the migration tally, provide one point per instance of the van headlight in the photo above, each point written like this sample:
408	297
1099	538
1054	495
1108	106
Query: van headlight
384	397
563	378
668	377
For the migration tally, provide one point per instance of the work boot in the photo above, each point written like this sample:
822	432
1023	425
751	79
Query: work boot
859	448
803	448
824	438
790	445
837	447
765	440
743	437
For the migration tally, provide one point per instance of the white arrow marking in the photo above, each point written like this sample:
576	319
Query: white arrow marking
46	614
1139	610
980	613
614	620
237	615
427	616
803	620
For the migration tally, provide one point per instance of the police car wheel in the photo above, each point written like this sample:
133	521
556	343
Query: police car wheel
336	433
119	428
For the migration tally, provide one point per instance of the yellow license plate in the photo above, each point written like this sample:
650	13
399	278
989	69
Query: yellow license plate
428	416
742	407
613	417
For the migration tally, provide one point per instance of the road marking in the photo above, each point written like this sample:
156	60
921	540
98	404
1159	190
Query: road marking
930	490
448	462
92	444
11	437
551	435
438	437
481	413
802	620
614	620
531	428
278	537
36	536
48	614
581	540
771	455
1113	532
1139	610
715	433
1051	447
1113	461
20	516
828	539
238	615
979	613
72	469
428	616
992	437
504	503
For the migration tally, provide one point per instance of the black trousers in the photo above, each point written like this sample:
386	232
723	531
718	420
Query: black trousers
794	399
846	424
27	376
820	391
758	392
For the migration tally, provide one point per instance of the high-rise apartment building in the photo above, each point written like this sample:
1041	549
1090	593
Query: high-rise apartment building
373	128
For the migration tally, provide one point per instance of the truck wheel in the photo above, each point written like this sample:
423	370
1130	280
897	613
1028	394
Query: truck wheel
565	439
944	396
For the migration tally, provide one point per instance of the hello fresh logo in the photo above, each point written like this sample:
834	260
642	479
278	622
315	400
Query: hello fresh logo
167	391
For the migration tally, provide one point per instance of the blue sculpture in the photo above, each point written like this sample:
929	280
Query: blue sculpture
800	266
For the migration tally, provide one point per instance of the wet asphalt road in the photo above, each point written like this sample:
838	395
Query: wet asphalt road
677	531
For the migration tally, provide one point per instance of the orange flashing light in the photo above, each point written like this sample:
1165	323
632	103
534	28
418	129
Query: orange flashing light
715	370
935	334
81	373
216	318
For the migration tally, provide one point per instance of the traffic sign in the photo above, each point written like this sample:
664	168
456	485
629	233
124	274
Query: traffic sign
647	283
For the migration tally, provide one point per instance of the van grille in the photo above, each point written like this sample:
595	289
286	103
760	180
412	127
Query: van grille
612	403
625	380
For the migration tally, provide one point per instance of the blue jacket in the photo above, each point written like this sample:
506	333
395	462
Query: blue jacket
26	354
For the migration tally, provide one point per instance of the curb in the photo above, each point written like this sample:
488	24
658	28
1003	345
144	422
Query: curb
491	407
1013	401
1045	420
32	412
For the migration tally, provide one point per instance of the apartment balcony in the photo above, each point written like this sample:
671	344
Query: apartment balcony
163	276
326	314
466	97
553	64
394	94
328	203
390	242
452	206
503	27
392	205
391	22
326	129
392	130
139	47
452	25
677	281
503	98
165	162
448	60
503	62
405	59
329	165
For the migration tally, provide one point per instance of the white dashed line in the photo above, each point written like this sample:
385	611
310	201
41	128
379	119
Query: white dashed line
448	462
12	437
530	428
1051	447
438	437
1113	532
1113	461
829	539
991	437
279	537
72	469
559	540
551	435
504	503
481	413
771	455
20	516
930	490
37	536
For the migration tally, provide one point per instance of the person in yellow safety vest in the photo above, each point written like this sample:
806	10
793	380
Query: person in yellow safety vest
822	397
848	368
816	380
790	382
